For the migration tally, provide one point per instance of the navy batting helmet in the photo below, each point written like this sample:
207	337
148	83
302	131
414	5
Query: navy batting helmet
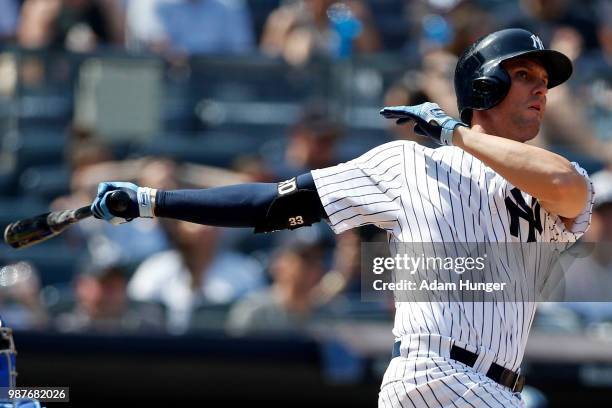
481	82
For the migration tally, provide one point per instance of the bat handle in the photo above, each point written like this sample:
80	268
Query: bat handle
118	201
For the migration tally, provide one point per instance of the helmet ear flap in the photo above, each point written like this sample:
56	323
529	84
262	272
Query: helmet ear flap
484	86
491	87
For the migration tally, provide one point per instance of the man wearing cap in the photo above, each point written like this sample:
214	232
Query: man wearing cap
483	185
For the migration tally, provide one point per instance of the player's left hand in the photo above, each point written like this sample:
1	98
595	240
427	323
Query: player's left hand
101	210
429	121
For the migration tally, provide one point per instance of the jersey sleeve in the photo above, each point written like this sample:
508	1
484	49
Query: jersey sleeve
555	230
365	190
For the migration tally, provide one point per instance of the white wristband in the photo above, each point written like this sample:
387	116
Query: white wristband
146	201
446	136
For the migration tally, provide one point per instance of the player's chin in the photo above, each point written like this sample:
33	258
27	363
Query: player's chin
525	133
530	128
529	135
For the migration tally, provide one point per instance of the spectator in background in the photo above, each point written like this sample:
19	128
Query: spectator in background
9	18
197	271
303	285
76	25
576	121
450	25
433	83
590	278
90	162
344	276
287	305
408	90
312	143
185	27
596	64
469	22
579	108
102	305
20	299
546	16
253	167
301	29
593	76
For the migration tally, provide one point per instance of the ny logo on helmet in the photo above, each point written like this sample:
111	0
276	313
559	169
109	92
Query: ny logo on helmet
537	43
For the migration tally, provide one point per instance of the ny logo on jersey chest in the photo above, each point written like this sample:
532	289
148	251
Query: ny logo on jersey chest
520	209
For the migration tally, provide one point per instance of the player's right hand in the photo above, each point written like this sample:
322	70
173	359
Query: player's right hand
429	121
101	210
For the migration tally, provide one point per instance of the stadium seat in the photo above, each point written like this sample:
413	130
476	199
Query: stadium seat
15	208
55	261
45	182
40	147
212	148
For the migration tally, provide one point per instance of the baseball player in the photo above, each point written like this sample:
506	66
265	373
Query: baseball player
484	184
8	372
7	358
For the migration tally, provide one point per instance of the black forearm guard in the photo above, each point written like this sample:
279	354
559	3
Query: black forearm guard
296	205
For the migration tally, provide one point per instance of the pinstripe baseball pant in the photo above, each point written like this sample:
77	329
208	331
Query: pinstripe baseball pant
425	376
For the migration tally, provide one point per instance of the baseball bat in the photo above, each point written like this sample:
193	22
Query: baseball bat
30	231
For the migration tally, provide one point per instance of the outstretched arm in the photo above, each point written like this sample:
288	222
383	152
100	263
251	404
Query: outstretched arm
264	206
542	174
545	175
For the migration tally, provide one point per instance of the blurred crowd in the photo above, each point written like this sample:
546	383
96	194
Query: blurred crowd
165	275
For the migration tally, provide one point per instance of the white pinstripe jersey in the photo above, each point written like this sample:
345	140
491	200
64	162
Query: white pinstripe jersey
419	194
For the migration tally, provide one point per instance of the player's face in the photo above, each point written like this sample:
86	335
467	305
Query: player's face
520	114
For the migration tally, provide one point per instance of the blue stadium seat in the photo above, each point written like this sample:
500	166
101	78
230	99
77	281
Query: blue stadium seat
209	317
394	30
45	109
40	147
268	79
15	208
212	148
45	182
55	261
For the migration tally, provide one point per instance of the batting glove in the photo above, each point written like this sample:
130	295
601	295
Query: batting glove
429	121
140	205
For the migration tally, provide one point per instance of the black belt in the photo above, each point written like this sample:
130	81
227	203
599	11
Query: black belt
497	373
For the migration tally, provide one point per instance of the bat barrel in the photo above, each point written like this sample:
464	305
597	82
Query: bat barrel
29	231
22	233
